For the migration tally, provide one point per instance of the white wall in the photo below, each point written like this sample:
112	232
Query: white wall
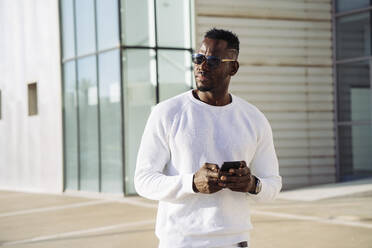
30	146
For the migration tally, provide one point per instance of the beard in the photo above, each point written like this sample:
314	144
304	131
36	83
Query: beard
203	88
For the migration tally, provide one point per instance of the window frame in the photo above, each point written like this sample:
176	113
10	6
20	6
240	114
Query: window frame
335	62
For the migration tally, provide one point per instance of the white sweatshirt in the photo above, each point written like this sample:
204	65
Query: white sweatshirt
183	133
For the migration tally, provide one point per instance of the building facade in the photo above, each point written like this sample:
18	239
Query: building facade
79	79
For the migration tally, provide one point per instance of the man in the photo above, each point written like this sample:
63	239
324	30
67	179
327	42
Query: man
186	140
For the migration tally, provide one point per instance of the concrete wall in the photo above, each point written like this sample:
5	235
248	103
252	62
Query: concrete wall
30	146
286	71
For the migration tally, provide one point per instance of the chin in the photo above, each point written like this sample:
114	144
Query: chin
203	88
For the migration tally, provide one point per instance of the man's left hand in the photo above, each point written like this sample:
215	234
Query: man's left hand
240	180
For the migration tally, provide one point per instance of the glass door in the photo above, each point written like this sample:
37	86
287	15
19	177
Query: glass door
354	115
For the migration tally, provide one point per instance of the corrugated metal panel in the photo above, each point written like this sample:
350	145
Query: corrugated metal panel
286	71
266	9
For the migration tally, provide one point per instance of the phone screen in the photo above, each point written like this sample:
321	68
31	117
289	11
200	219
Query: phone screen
226	166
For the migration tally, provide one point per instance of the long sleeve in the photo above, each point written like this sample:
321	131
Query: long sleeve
153	155
265	166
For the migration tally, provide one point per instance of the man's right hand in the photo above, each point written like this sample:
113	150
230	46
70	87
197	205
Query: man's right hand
206	179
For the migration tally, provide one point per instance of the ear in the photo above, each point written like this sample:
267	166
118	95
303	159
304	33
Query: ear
234	68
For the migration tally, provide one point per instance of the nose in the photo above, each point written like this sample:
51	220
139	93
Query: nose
204	65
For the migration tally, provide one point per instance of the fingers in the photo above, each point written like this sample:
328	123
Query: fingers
223	177
243	164
240	186
240	172
212	170
212	180
236	183
212	167
244	171
208	187
234	186
214	189
206	179
235	179
212	174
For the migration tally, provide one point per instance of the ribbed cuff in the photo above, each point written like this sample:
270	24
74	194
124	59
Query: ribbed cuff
187	183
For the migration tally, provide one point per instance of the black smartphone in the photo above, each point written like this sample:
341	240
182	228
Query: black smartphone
226	166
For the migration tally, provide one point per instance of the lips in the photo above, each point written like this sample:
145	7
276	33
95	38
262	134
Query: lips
202	76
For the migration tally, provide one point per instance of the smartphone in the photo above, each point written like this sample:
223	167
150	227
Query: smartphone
226	166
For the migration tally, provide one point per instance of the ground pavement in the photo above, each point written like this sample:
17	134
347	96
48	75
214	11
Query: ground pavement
330	216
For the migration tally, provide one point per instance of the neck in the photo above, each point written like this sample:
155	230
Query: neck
213	98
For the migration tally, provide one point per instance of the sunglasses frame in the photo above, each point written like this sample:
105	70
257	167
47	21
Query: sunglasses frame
208	58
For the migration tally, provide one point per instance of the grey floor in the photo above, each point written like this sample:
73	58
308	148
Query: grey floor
338	215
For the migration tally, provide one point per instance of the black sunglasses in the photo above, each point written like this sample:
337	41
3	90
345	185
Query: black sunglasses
212	61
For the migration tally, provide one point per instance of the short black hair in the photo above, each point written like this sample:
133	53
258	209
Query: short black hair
226	35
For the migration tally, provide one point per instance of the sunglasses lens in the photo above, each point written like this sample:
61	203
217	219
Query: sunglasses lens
213	61
198	58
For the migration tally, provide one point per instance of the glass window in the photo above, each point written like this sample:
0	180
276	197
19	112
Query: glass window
360	103
70	125
354	93
93	107
347	5
174	73
107	23
68	43
139	96
355	144
138	22
173	23
110	119
85	28
88	119
32	99
353	36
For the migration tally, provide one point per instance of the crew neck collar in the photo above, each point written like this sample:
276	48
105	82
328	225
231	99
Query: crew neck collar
213	107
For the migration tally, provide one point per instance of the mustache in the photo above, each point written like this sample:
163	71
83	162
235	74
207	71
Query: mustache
203	73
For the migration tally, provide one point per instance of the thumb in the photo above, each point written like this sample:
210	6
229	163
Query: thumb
212	167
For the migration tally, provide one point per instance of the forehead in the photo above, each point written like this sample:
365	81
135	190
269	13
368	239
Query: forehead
212	46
